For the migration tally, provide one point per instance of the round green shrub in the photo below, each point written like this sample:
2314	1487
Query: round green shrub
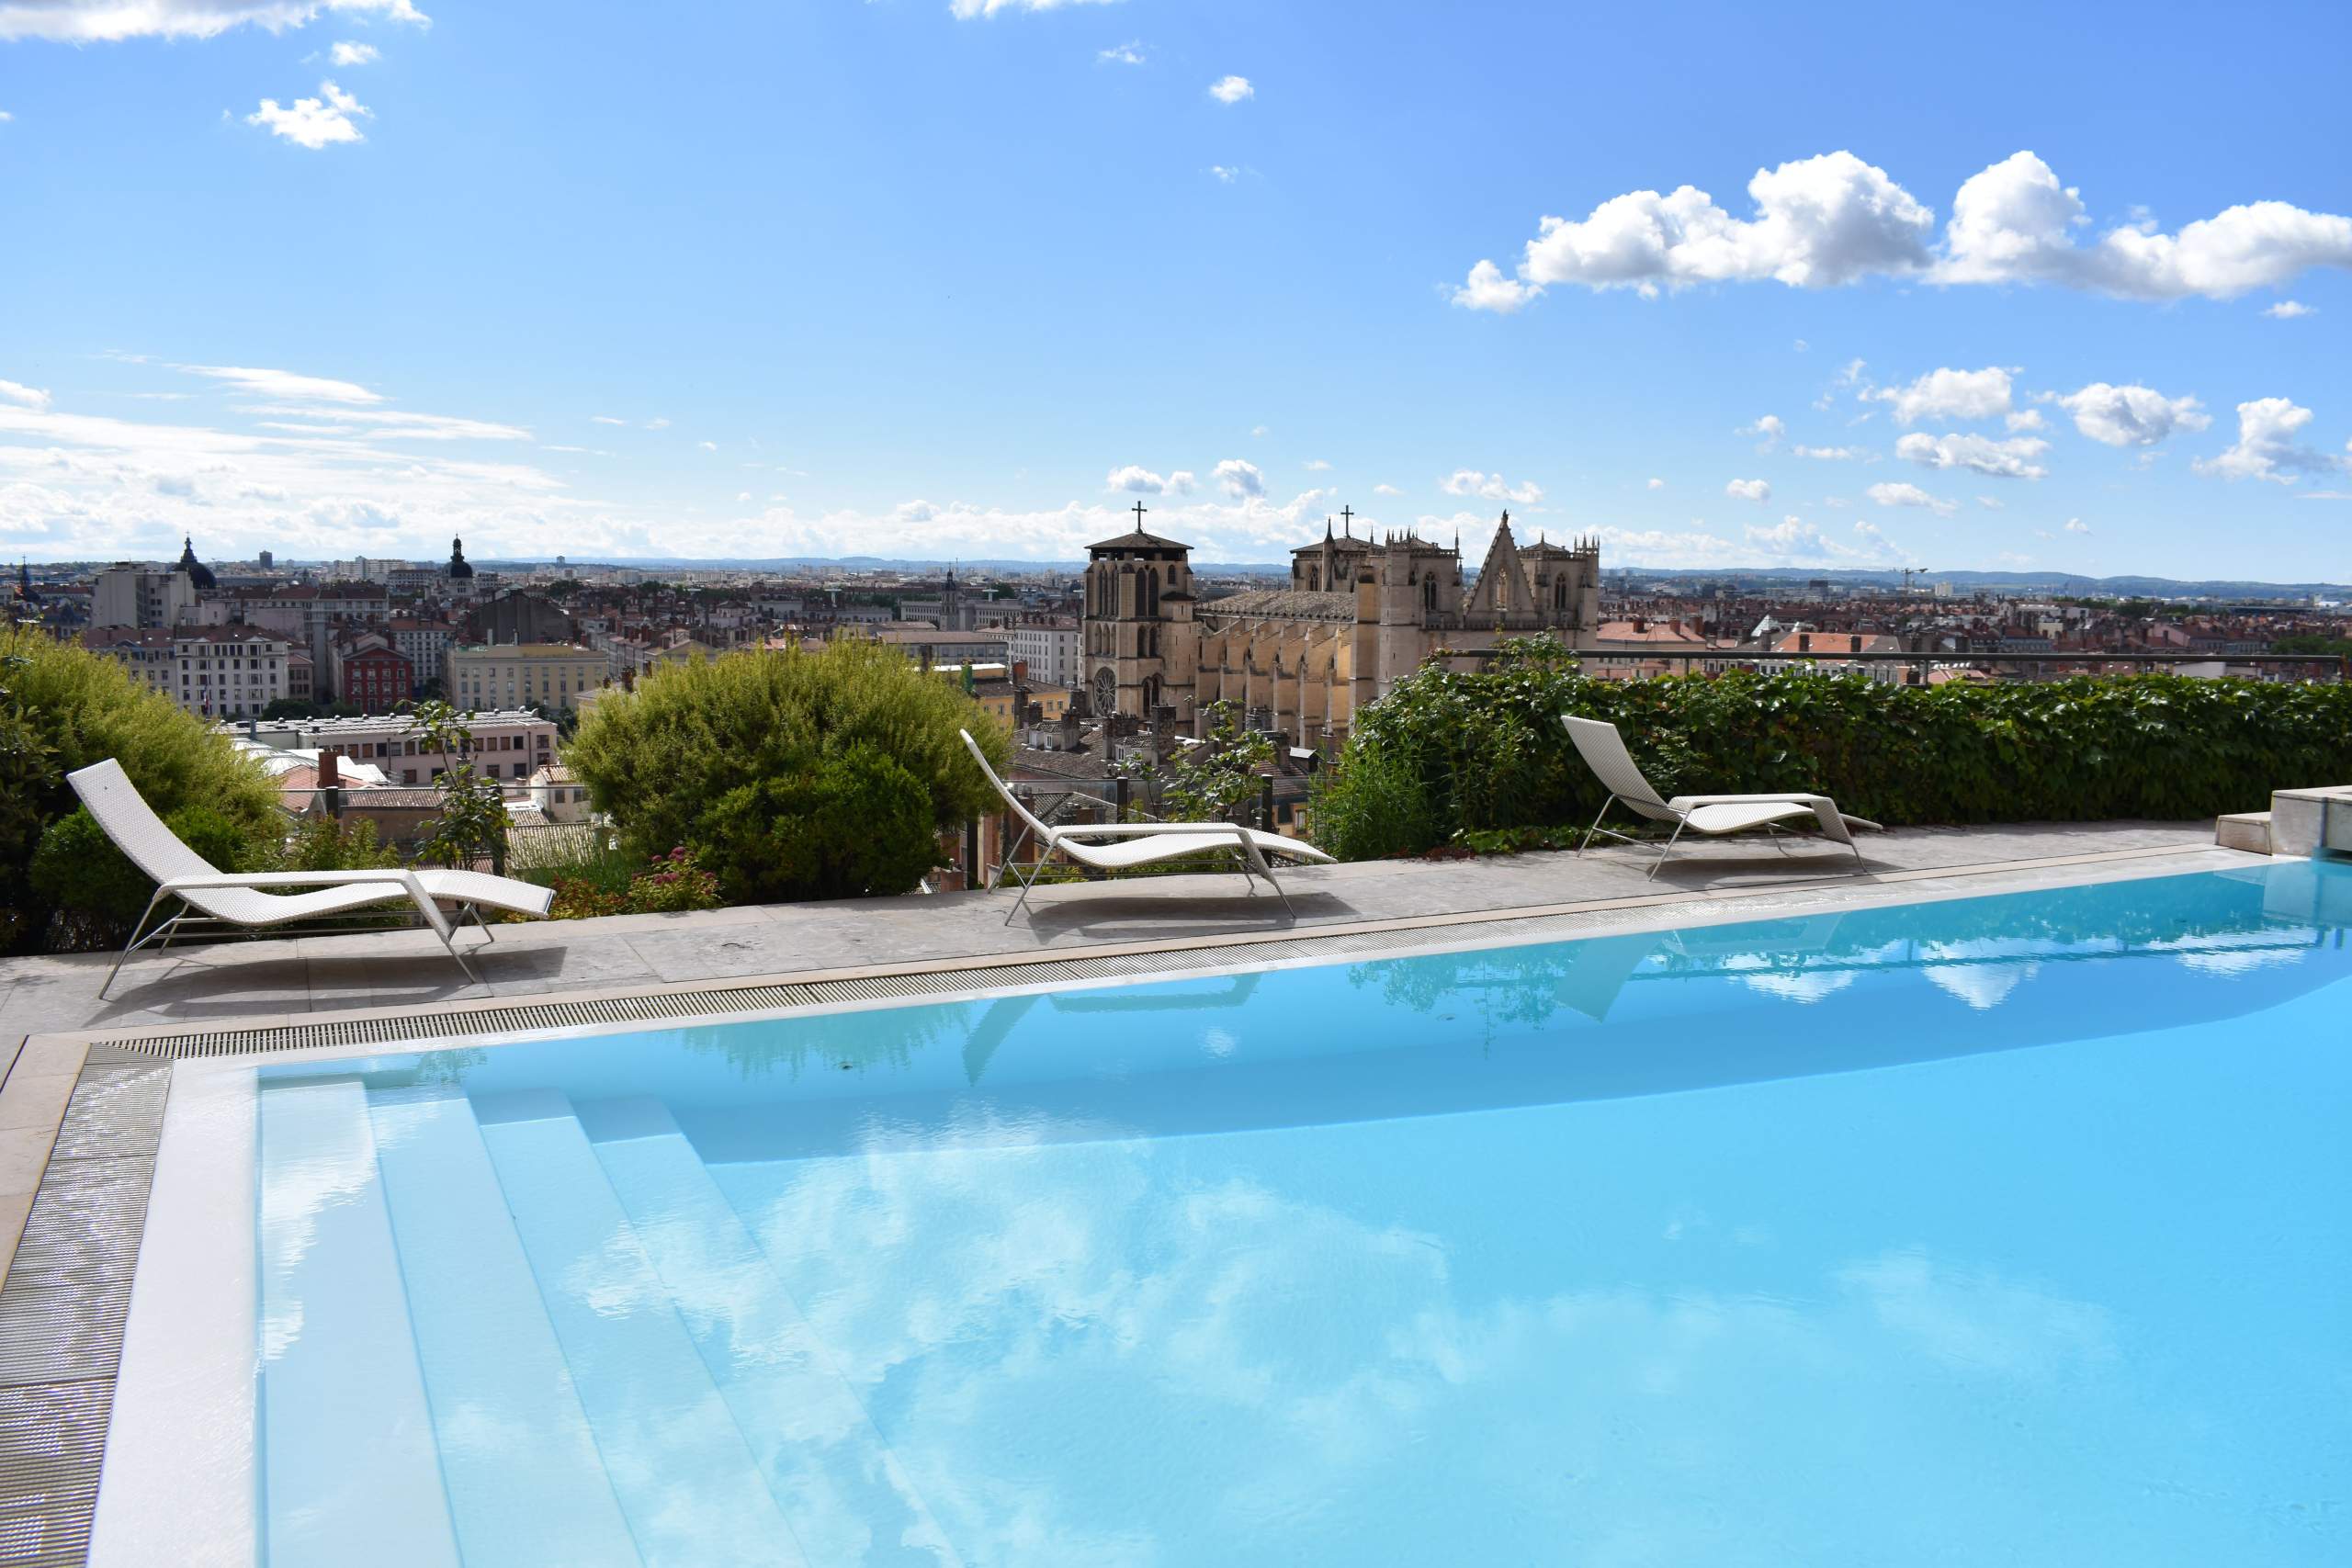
790	774
63	707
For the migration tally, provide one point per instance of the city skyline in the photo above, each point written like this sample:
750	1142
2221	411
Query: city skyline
937	278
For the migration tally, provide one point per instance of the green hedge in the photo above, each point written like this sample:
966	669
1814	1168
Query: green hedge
1446	756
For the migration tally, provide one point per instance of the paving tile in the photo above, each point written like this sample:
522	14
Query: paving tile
24	1154
35	1100
13	1207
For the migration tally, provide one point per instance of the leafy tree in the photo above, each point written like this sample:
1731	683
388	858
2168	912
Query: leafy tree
2308	642
64	708
790	774
1217	778
472	822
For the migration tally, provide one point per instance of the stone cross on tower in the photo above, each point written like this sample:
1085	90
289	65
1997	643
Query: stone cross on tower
1139	511
1348	519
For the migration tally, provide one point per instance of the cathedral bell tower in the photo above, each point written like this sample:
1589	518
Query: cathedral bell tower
1140	645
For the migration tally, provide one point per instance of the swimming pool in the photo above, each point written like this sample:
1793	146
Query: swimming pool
2003	1228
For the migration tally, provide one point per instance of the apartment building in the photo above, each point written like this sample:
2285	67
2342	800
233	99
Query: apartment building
551	674
1050	646
215	671
509	743
368	672
125	595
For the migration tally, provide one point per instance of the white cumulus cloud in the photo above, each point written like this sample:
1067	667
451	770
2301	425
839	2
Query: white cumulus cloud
1240	477
346	52
1947	394
23	396
1908	495
1231	89
313	122
1827	454
1656	484
2010	459
1819	222
1387	490
2014	223
1129	53
1757	491
1835	219
970	9
1489	289
2285	310
1136	479
2077	526
111	21
2267	448
1490	487
2129	415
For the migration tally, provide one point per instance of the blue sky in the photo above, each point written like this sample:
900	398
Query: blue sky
968	278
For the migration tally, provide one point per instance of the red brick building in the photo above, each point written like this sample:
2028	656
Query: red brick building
370	674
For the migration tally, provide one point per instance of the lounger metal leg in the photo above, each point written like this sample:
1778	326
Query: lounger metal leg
1663	852
1026	883
1595	829
135	943
449	943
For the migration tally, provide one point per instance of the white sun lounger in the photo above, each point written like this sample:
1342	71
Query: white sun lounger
1123	845
207	895
1604	752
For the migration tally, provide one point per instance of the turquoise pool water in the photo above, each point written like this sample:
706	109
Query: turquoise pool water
2004	1230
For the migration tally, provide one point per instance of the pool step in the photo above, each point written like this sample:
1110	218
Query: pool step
826	1463
2247	830
342	1407
694	1495
524	1481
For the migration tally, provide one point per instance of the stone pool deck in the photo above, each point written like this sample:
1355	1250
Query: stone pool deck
211	986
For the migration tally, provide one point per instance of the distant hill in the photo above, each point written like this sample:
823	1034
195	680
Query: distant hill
2118	587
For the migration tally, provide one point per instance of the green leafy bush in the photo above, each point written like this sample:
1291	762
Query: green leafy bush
790	774
668	885
324	843
83	877
63	707
1445	756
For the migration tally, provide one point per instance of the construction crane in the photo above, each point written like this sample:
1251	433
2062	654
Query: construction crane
1908	573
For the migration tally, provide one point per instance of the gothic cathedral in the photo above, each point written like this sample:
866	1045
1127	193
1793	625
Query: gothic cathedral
1359	615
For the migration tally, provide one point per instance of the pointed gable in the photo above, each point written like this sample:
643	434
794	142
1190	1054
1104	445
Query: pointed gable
1503	583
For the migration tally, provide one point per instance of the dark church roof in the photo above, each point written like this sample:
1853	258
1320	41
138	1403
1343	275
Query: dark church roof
1136	539
459	565
198	572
